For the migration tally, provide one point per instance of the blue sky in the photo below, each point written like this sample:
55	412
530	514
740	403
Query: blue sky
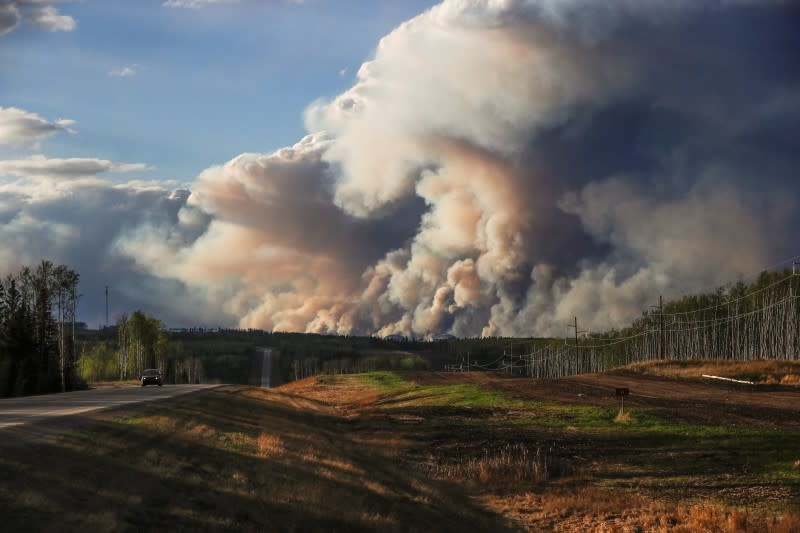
208	83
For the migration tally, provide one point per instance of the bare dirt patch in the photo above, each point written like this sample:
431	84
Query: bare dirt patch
690	455
692	400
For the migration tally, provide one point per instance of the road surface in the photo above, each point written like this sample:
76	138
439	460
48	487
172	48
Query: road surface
16	412
266	367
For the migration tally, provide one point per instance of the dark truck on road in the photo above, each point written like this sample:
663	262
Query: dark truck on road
151	375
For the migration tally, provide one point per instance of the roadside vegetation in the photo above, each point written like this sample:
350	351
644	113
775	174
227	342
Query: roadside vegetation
389	451
121	352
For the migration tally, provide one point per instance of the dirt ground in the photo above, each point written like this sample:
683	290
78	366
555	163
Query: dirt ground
601	480
695	401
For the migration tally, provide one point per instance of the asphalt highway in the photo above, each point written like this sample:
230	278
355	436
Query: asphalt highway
16	412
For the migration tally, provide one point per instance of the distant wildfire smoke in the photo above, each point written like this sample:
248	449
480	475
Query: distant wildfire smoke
501	166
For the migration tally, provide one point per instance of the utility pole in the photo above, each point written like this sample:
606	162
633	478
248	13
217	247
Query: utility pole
661	342
661	324
791	326
106	305
577	349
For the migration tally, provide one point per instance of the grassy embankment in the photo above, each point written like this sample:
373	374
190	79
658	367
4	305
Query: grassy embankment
384	451
235	458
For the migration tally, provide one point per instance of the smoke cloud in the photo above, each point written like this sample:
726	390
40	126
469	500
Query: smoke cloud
501	166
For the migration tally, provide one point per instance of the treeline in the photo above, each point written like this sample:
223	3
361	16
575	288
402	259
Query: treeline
737	321
141	342
759	320
37	330
315	365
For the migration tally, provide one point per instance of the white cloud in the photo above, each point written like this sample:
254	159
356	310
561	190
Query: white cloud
195	4
123	72
23	128
48	18
41	167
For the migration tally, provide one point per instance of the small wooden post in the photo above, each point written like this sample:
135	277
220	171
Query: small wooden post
621	393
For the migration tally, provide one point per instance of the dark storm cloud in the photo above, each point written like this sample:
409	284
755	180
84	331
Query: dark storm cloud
77	223
41	14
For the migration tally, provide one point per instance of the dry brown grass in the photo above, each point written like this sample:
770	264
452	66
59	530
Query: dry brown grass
511	463
234	459
623	418
583	508
269	445
329	453
769	372
200	431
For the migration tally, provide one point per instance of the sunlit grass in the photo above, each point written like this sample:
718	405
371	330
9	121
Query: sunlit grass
383	381
460	395
380	451
229	459
767	372
771	454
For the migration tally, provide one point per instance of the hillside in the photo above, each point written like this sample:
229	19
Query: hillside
427	451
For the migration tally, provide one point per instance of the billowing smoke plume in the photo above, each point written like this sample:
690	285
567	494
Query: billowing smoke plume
501	166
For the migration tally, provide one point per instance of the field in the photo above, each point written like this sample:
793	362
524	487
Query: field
429	451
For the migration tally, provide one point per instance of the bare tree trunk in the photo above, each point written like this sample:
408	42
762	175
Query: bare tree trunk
61	337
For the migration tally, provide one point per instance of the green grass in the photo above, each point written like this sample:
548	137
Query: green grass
470	396
769	455
462	395
384	381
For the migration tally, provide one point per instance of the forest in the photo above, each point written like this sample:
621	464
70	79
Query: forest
44	349
740	321
37	330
